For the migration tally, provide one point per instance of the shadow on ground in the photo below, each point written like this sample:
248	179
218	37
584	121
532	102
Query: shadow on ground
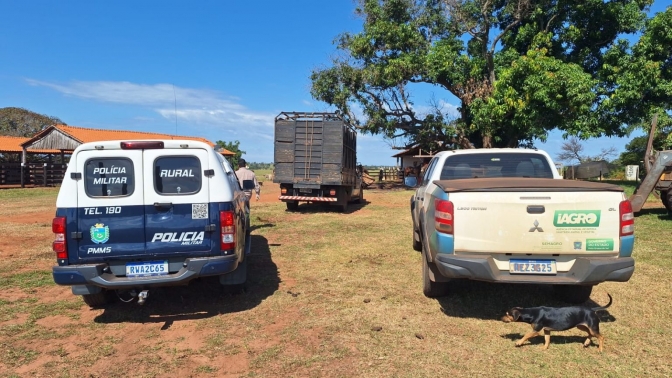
202	298
490	301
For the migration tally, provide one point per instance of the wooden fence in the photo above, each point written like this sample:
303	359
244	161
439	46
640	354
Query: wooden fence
387	174
32	174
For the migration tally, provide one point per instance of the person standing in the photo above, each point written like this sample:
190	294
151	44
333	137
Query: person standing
245	174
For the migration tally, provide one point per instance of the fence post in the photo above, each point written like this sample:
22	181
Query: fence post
23	184
44	178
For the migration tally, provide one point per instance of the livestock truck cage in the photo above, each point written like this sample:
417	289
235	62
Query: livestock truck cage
316	160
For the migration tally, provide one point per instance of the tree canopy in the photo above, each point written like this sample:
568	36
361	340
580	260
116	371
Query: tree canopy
24	123
518	68
233	147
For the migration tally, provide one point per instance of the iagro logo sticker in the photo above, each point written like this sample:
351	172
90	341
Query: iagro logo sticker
576	218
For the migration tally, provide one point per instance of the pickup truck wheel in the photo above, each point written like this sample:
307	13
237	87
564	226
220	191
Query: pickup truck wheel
575	294
292	205
430	288
97	300
417	244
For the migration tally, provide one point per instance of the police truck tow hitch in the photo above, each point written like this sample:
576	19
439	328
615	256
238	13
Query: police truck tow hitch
142	297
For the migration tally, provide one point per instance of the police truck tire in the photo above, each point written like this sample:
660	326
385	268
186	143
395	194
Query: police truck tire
292	205
97	300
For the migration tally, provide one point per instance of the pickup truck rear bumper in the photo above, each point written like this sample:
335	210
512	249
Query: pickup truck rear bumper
585	271
90	278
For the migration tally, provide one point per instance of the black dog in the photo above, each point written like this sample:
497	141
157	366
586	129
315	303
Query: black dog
558	319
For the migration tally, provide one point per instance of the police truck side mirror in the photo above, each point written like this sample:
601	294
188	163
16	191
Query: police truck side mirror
248	184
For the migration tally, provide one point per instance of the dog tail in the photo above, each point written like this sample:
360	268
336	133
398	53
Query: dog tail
603	308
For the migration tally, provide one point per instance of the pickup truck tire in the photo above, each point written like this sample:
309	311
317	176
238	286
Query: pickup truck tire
97	300
430	288
417	244
575	294
292	205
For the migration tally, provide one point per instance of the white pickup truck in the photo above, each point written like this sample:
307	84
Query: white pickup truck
506	215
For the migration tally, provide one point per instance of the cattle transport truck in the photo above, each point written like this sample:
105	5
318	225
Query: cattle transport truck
316	160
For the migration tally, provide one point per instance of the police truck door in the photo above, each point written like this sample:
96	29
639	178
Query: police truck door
110	211
176	201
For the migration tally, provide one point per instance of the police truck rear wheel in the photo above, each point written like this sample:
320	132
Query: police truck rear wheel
293	205
97	300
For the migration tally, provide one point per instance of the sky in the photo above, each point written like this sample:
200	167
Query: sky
220	70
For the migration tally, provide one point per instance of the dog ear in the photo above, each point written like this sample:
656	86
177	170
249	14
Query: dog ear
515	313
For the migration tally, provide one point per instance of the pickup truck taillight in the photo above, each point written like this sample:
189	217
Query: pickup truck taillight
227	228
443	216
627	218
59	245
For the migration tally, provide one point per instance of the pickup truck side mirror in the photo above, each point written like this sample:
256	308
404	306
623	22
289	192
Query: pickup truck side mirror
248	184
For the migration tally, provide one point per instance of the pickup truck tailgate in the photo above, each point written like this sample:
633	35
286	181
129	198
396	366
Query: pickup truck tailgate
536	216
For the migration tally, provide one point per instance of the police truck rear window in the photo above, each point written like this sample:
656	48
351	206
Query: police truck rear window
177	175
109	177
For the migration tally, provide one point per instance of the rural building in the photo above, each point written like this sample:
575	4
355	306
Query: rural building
56	143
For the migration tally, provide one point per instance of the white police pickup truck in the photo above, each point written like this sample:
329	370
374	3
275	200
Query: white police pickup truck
137	214
506	215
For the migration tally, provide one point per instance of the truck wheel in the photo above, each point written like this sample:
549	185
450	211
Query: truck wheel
575	294
292	205
360	199
417	244
667	201
343	208
430	288
97	300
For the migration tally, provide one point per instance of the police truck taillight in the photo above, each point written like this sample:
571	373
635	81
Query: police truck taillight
59	245
227	228
443	216
627	218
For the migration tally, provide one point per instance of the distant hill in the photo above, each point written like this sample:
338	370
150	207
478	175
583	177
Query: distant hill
24	123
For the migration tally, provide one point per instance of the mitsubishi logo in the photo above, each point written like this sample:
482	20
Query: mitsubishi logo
536	227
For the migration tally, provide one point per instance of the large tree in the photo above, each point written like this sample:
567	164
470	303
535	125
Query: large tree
233	147
518	68
24	123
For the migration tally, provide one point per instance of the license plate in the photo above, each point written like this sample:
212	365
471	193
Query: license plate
147	269
305	190
532	267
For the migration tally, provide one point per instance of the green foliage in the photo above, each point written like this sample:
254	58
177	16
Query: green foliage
519	69
233	147
24	123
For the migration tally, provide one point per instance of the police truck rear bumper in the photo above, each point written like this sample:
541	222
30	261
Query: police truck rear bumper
95	274
585	271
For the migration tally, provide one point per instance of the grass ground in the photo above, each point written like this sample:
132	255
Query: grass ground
329	295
